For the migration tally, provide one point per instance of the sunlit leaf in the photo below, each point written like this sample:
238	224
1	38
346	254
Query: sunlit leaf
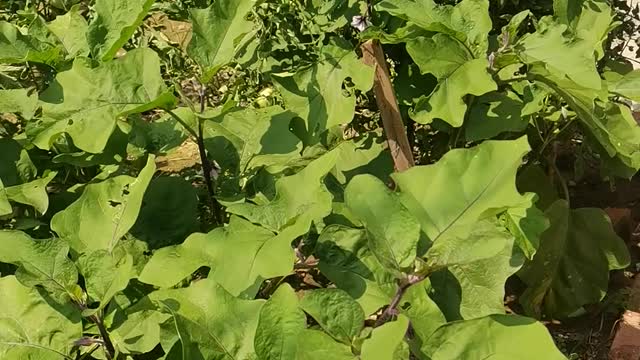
30	328
104	213
114	23
86	102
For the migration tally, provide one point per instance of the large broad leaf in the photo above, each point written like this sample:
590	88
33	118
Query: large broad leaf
169	212
628	86
33	193
71	30
136	330
571	267
281	322
424	314
317	345
475	289
16	47
18	101
447	102
440	55
217	31
367	155
207	322
114	23
461	247
392	231
240	256
40	262
30	328
86	102
299	199
464	186
493	337
316	93
249	138
346	260
387	342
336	312
468	21
493	114
612	125
105	274
590	20
561	56
104	213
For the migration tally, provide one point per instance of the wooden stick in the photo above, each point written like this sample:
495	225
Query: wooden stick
388	104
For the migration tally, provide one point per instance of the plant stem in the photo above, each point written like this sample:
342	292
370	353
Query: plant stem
108	345
400	291
206	165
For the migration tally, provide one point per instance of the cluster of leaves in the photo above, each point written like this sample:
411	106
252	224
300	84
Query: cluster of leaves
100	252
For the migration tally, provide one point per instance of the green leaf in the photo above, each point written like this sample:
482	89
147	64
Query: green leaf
281	322
561	56
114	23
217	32
595	23
33	193
207	322
493	337
468	21
446	102
246	139
424	314
240	256
5	206
392	231
628	86
612	125
104	213
17	47
169	212
459	247
86	102
493	114
316	93
18	101
319	346
15	165
40	262
466	185
476	289
346	260
299	199
440	55
526	223
105	274
571	267
386	340
367	155
138	330
31	328
335	311
71	30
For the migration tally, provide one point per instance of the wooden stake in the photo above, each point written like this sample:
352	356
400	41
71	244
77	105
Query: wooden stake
388	104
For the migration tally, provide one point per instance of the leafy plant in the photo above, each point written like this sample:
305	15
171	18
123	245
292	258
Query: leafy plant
295	238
